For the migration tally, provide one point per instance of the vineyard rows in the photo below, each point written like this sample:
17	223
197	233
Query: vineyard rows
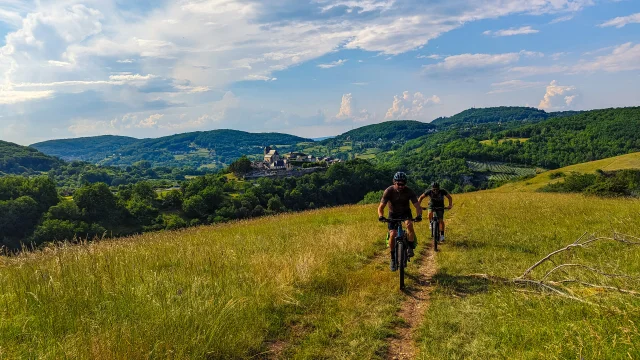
500	170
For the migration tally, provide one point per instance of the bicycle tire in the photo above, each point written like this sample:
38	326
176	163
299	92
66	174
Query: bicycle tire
400	250
435	226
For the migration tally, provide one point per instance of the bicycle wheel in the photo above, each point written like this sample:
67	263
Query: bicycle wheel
400	253
434	234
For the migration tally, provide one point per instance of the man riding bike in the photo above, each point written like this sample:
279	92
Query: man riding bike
436	202
399	197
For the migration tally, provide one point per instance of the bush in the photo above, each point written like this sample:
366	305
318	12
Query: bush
174	222
372	197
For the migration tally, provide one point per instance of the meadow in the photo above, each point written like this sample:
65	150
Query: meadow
316	285
300	285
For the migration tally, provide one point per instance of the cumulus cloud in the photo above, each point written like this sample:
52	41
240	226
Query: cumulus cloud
199	47
621	21
349	111
512	31
333	64
554	99
410	106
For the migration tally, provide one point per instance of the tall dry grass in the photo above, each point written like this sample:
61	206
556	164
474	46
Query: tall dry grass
216	292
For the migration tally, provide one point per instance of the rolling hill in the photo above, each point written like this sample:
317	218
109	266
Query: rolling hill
91	149
17	159
627	161
396	130
215	148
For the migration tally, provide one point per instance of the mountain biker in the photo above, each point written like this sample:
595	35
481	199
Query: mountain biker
399	197
436	201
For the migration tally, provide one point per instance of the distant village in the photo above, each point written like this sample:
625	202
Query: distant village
290	164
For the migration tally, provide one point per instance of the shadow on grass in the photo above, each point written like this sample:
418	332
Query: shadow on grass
461	285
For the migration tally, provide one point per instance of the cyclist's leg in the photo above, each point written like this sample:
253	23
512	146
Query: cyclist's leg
410	233
392	238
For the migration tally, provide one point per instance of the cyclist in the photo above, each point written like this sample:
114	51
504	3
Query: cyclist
399	197
436	200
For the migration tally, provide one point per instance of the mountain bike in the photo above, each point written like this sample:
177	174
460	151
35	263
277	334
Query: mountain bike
435	226
401	247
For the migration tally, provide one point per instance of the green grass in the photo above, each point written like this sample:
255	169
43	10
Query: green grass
221	292
502	235
628	161
490	142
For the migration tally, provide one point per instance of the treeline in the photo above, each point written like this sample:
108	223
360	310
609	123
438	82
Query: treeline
602	183
33	213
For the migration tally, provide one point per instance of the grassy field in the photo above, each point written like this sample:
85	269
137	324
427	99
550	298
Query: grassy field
221	292
501	235
316	285
628	161
490	142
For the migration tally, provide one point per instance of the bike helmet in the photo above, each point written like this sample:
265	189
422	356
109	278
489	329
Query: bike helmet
400	177
435	185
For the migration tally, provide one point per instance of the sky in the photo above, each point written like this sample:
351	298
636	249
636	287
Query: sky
313	68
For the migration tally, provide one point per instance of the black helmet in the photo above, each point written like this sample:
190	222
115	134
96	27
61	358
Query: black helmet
400	177
435	185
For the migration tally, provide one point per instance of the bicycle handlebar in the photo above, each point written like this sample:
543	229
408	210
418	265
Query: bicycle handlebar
398	220
437	208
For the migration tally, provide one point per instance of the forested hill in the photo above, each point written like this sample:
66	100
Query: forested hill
91	149
552	143
501	114
17	159
195	149
396	130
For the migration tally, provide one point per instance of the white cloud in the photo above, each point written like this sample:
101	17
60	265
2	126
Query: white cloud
408	106
432	57
349	111
9	97
555	91
623	58
512	31
333	64
621	21
478	61
561	19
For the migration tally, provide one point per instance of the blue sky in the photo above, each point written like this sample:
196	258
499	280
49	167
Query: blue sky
71	68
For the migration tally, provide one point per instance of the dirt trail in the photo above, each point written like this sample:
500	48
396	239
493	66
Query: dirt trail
403	346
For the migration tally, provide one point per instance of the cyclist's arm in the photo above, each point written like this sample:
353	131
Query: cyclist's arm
381	207
450	200
420	199
418	208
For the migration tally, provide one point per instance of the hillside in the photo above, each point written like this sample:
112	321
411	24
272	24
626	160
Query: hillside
211	149
396	130
317	285
502	114
91	149
17	159
548	144
628	161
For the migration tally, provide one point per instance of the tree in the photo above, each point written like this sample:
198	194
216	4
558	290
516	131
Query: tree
241	166
275	204
96	203
195	207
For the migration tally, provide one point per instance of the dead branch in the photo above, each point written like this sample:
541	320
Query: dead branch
588	268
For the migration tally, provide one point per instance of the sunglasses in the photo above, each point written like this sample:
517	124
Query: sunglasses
401	184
